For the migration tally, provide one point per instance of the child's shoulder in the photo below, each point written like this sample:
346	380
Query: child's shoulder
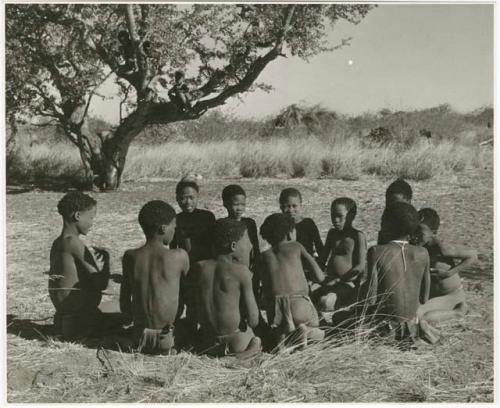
201	212
307	222
70	242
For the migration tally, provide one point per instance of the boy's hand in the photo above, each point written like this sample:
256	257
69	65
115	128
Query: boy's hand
101	254
350	275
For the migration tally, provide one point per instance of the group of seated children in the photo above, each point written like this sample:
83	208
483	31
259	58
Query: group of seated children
203	283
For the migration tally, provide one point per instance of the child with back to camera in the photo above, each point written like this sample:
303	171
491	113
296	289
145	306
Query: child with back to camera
398	191
344	256
75	280
398	275
306	231
289	308
151	280
447	297
225	283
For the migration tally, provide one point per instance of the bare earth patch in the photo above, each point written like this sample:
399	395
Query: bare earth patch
42	369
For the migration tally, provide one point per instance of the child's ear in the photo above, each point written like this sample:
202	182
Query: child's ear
76	216
233	246
162	229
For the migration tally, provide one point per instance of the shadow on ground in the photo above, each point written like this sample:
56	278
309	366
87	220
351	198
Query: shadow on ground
44	330
19	185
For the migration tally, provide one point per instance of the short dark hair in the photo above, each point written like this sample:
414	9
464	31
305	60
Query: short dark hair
429	217
178	75
74	201
181	185
276	227
399	186
123	34
348	203
155	214
230	191
227	231
399	219
289	192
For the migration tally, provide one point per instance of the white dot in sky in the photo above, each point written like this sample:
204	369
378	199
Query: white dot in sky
351	62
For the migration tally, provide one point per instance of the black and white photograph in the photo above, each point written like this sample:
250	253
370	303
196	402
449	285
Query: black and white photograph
253	202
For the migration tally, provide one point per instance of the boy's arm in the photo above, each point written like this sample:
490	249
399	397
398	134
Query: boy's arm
184	261
125	288
372	278
318	243
76	248
426	280
254	237
249	299
317	272
327	249
467	256
358	257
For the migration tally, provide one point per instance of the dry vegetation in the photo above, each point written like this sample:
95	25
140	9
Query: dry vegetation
308	143
42	369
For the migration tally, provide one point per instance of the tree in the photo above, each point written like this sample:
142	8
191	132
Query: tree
57	57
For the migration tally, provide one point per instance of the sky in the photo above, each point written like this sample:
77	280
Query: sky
401	57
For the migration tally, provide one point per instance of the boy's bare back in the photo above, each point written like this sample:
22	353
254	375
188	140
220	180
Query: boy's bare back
284	271
401	283
222	284
152	277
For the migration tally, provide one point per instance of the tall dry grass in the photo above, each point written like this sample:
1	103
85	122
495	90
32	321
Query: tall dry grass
275	157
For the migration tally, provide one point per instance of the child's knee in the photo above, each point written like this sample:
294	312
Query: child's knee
327	302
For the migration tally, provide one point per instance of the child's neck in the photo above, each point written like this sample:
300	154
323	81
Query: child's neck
156	241
406	238
70	228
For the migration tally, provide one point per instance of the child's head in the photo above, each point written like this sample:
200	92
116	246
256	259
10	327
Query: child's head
429	225
231	237
398	191
234	200
399	220
291	203
343	211
179	76
78	208
186	192
158	218
276	228
123	36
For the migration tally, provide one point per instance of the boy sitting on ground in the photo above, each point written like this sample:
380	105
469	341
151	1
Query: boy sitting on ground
447	297
289	308
75	280
398	191
345	257
194	233
223	283
151	280
306	231
234	201
398	274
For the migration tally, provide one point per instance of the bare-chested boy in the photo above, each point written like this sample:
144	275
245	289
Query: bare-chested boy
151	280
75	280
306	231
223	284
447	297
344	255
398	273
289	308
398	191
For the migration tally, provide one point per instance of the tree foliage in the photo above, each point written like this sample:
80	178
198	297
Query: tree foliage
58	55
